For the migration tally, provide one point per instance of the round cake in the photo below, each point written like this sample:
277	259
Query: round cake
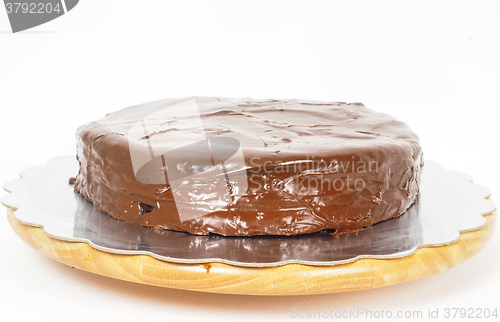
244	167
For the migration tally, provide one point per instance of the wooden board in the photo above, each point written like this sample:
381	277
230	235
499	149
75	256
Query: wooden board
283	280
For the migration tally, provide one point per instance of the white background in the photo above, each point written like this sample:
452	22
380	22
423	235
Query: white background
434	65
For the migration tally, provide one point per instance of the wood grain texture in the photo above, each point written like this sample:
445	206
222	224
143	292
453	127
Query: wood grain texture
283	280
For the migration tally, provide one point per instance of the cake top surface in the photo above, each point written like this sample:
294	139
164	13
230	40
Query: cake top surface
276	130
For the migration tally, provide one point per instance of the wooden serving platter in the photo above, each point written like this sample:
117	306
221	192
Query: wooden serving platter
290	279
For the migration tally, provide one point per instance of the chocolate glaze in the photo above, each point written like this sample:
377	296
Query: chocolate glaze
308	166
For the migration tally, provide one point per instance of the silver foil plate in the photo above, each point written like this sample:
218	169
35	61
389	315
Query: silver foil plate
448	204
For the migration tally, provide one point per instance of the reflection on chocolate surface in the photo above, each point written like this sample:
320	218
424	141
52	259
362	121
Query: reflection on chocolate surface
299	167
390	237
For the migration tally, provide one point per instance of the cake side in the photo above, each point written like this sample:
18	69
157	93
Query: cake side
308	166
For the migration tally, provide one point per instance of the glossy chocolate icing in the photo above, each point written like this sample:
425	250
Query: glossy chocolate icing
306	166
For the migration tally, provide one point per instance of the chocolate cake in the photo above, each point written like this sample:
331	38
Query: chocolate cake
244	167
